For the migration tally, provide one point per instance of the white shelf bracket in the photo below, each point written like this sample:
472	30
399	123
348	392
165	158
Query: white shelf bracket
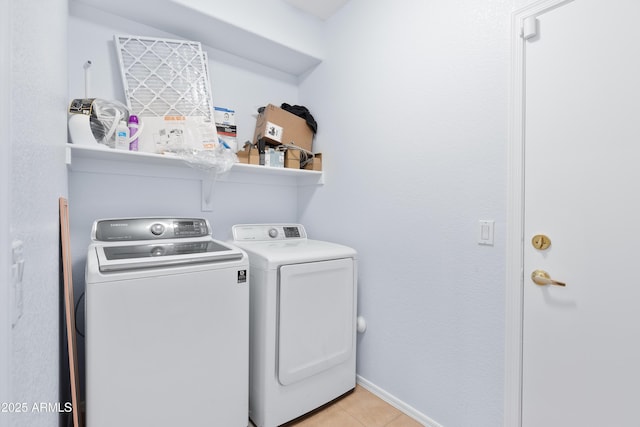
67	155
208	182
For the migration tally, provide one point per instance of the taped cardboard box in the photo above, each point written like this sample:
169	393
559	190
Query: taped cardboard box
315	164
278	126
292	159
249	155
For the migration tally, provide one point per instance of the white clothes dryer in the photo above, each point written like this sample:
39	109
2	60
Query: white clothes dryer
167	325
302	329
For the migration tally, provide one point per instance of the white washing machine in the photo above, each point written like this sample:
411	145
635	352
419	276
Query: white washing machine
302	321
167	327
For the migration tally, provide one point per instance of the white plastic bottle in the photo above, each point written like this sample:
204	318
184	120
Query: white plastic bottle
122	136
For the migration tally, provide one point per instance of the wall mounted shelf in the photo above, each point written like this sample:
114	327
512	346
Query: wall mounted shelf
212	31
90	159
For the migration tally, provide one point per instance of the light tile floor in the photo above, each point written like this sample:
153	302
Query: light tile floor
360	408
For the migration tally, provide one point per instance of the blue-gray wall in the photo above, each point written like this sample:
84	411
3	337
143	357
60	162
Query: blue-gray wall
411	100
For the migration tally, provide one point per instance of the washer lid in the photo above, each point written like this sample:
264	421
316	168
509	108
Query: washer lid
270	255
272	245
163	254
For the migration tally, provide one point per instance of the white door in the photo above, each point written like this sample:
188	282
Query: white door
581	342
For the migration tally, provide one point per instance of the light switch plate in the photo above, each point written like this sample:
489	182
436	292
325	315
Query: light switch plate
485	231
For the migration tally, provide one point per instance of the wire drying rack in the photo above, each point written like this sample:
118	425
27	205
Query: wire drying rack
164	77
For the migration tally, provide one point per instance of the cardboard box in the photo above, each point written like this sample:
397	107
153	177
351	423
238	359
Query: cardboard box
243	156
292	159
249	155
278	126
316	163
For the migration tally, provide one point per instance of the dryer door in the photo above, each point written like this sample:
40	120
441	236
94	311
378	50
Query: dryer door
316	317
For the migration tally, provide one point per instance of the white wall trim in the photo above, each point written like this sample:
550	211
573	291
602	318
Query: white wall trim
397	403
5	206
514	292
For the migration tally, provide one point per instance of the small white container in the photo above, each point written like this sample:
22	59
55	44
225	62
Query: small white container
122	136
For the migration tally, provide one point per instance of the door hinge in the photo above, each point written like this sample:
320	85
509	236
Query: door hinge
529	28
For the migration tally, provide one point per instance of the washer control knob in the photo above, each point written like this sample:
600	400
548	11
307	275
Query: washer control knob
157	229
273	233
157	251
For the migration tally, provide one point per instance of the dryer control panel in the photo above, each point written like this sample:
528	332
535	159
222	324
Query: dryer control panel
267	232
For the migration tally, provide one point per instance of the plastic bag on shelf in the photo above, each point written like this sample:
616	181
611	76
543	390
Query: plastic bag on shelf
217	160
192	139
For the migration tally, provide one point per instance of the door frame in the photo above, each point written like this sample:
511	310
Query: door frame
514	292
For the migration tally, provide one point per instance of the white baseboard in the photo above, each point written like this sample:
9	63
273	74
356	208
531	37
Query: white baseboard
397	403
